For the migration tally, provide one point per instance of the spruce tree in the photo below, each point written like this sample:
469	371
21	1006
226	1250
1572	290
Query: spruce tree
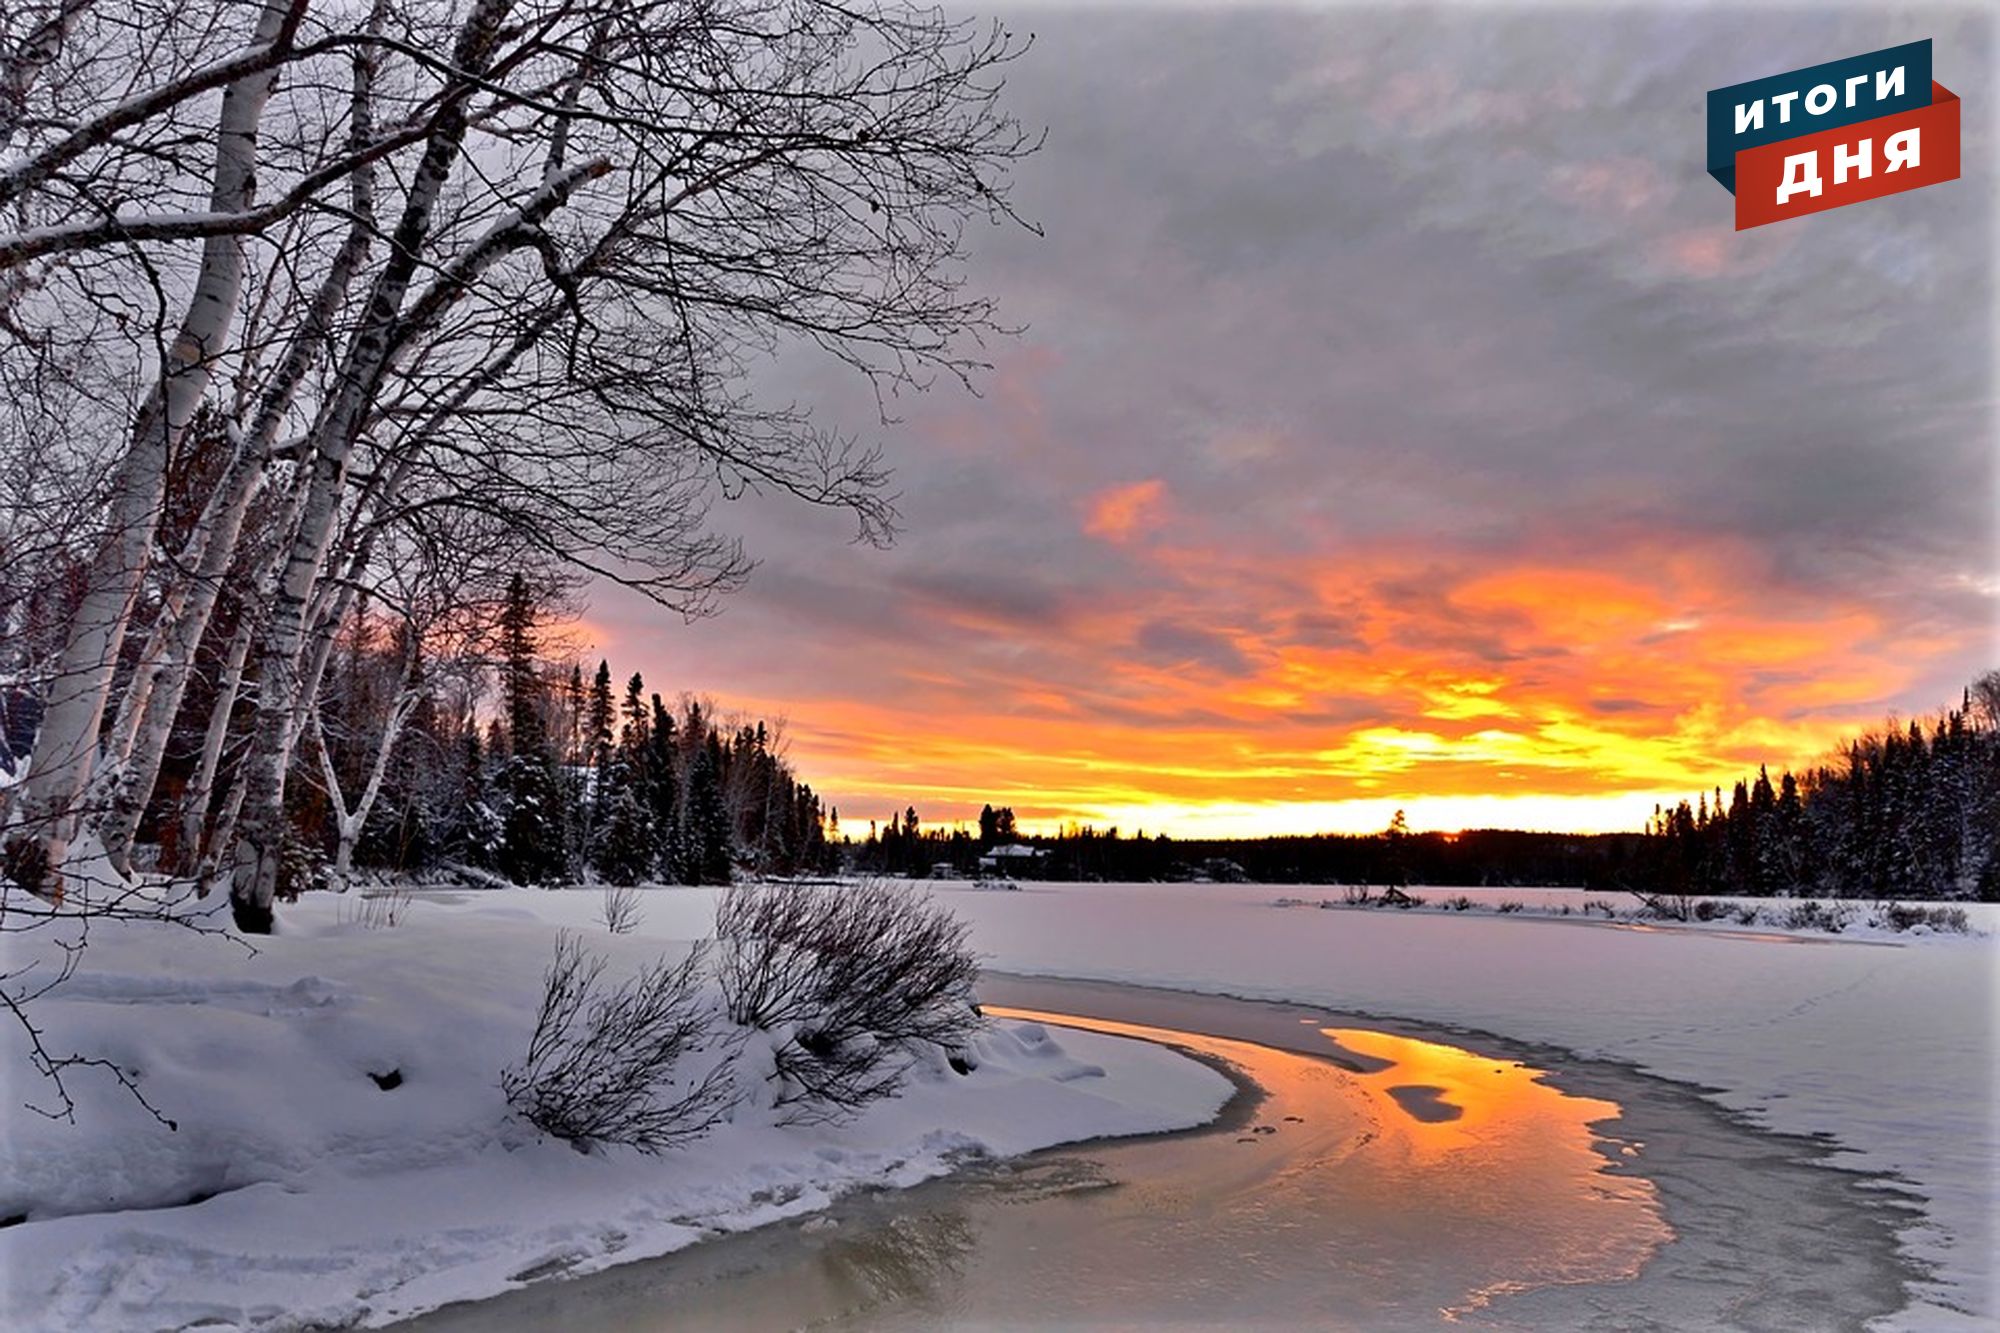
533	824
706	834
662	793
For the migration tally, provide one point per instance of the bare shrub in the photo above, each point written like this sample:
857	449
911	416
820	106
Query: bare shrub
1357	895
1953	919
1460	903
1598	905
1665	906
1900	917
600	1065
620	909
1708	910
1393	897
1509	906
857	977
1747	914
376	909
1812	914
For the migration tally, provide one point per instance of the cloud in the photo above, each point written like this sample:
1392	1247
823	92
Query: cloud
1398	419
1174	646
1119	513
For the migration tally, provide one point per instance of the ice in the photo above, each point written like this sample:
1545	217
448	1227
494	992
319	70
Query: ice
297	1191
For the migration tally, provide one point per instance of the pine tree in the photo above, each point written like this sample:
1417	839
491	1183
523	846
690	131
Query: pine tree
706	834
662	793
624	851
533	837
1792	849
1396	841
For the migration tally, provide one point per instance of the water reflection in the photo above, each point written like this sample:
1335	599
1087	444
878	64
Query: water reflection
1380	1182
1424	1167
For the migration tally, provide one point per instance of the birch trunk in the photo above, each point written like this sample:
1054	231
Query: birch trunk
348	823
161	682
219	840
201	787
66	747
138	741
254	880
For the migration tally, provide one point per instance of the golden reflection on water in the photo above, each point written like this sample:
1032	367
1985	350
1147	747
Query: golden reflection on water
1478	1163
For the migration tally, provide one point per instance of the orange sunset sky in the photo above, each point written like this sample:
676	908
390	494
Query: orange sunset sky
1397	422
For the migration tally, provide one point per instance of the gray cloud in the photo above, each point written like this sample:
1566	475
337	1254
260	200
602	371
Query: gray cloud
1165	644
1449	281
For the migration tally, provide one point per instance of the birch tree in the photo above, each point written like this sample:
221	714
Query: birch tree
78	693
513	259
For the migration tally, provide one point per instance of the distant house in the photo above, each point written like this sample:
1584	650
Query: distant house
1010	858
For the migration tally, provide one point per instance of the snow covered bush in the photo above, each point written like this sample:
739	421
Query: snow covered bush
601	1065
1814	915
853	982
302	868
1900	917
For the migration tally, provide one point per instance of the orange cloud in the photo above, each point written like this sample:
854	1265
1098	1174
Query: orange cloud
1122	512
1564	688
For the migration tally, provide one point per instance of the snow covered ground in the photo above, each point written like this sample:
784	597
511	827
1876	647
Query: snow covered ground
324	1199
1883	1042
334	1200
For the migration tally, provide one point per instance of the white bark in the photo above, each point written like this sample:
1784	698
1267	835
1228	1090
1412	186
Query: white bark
161	681
349	821
138	741
201	787
66	748
254	881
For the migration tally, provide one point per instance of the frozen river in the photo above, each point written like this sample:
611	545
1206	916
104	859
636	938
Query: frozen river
1362	1178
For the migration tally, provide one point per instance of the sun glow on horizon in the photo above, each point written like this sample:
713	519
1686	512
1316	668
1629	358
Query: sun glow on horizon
1530	696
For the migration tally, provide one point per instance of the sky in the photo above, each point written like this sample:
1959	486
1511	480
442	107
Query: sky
1397	423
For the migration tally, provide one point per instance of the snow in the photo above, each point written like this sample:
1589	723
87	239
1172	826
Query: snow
335	1201
1883	1042
327	1200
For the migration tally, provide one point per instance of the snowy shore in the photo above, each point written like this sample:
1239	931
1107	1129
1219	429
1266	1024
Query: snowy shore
296	1192
335	1201
1881	1043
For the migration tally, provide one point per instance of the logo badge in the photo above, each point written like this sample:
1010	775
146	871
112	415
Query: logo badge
1832	135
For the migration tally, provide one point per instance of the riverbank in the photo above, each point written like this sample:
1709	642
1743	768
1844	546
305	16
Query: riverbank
1503	1196
342	1154
1884	1054
1881	1054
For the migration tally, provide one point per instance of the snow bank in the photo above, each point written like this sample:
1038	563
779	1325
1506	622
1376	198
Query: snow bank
296	1191
1885	1044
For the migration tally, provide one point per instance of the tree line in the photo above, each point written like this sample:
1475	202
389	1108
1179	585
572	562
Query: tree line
567	779
319	322
1081	852
1902	811
1908	810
